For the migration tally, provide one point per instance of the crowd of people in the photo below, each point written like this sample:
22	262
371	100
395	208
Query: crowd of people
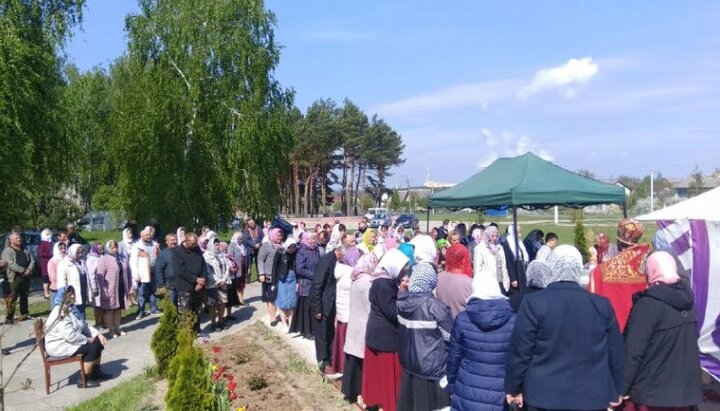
463	318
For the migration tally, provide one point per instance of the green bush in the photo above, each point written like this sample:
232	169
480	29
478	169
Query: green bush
189	383
164	340
580	238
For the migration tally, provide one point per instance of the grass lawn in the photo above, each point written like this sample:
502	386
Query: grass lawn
138	393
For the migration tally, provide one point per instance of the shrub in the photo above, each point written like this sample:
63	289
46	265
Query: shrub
581	242
164	340
189	383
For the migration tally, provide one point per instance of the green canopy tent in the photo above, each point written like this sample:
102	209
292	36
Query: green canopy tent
526	181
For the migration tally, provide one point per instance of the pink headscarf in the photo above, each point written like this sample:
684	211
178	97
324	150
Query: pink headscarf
273	237
365	266
488	236
662	269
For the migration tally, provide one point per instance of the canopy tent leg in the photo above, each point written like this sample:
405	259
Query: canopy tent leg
624	210
427	225
518	260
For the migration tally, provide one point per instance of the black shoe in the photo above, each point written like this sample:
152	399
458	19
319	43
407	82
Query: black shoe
90	384
99	375
273	323
322	365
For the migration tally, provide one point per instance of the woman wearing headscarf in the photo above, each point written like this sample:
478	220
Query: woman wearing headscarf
477	236
516	257
218	278
67	334
72	272
285	281
180	234
45	252
113	287
369	241
236	251
425	249
126	245
442	246
307	259
359	309
233	269
91	262
381	367
266	257
59	251
566	352
538	276
662	368
454	284
490	259
425	326
343	282
478	349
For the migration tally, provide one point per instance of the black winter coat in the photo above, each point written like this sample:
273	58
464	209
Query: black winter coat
189	265
566	351
283	263
382	327
425	326
662	366
323	293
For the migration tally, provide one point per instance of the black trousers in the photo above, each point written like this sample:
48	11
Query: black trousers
324	333
90	351
20	289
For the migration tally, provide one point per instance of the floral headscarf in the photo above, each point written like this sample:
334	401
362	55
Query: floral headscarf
366	265
494	247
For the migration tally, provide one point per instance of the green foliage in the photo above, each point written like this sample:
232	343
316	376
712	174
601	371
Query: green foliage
395	203
697	185
189	382
579	234
56	211
164	343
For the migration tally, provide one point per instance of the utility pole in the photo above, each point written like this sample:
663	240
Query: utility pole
652	189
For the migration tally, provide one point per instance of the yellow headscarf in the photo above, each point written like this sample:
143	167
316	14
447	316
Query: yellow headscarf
366	239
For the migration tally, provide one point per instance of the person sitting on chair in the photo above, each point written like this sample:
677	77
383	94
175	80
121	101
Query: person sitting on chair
67	335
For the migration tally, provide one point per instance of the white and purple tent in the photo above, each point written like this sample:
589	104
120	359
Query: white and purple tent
692	230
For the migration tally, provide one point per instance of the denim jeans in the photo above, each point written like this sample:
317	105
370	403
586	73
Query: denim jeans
146	293
173	296
80	312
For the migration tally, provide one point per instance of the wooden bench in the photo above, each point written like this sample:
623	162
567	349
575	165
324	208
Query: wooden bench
51	361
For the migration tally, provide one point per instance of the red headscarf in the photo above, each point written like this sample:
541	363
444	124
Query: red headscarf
457	260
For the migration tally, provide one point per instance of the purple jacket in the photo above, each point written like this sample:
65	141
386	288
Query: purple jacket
307	260
108	273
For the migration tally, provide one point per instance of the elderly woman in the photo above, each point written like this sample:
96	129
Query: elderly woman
218	278
233	269
662	368
442	246
113	287
343	282
285	281
59	251
45	252
537	277
425	325
237	252
359	309
266	257
305	263
454	284
91	262
66	334
478	349
369	241
566	351
72	272
489	259
381	368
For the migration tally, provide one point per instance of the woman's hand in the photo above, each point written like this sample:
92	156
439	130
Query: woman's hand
514	399
102	339
261	278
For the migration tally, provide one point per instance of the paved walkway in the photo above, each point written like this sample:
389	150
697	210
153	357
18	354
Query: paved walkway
123	357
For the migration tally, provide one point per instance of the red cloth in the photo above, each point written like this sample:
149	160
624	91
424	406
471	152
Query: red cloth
338	352
381	379
619	278
630	406
457	260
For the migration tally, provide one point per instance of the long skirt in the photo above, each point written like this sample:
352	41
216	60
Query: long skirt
302	321
338	348
420	394
232	297
352	378
381	379
287	292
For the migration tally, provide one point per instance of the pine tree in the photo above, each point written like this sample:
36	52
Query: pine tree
164	343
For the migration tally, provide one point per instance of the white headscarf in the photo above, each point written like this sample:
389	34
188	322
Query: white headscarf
425	249
236	236
57	255
127	237
46	235
565	264
511	242
478	234
289	242
71	254
485	287
392	263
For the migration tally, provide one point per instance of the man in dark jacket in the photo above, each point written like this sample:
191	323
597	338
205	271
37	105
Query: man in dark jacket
322	300
164	267
189	266
252	240
566	351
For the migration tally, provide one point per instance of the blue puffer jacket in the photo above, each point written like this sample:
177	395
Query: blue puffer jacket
477	356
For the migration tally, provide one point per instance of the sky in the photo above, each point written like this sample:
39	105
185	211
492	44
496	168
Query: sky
618	88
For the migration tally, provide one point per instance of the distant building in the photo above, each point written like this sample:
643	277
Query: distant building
682	187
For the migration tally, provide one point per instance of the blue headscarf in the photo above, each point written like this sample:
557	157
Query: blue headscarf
59	299
423	278
409	250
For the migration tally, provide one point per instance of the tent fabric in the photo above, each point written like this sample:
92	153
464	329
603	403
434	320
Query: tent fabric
527	181
701	207
695	242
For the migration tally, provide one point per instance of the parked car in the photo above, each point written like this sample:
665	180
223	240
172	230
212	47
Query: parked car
406	221
381	219
372	212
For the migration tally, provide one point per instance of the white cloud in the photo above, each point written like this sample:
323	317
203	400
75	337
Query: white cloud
506	144
566	78
339	35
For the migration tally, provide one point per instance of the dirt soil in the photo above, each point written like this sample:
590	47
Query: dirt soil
270	375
